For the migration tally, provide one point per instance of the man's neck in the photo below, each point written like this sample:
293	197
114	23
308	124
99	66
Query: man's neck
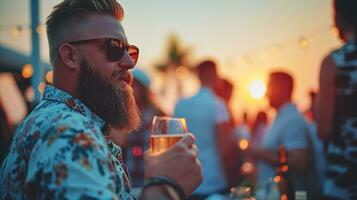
207	84
63	85
282	104
64	88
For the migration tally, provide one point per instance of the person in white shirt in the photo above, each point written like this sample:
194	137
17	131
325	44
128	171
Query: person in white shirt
208	119
288	129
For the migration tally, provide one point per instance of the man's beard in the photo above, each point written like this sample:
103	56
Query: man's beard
111	101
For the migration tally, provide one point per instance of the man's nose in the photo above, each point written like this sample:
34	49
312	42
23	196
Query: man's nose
126	62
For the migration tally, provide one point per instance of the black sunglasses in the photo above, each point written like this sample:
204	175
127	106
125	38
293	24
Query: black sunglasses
116	49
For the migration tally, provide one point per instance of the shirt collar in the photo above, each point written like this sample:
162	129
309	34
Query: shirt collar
206	89
54	94
286	109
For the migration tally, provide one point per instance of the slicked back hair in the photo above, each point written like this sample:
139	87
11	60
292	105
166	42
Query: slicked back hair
57	22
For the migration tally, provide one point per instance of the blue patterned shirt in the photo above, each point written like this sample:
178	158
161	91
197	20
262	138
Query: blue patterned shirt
60	152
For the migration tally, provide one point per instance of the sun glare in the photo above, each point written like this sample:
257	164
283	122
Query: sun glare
257	89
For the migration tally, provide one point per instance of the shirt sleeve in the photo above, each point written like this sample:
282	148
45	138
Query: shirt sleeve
221	111
72	163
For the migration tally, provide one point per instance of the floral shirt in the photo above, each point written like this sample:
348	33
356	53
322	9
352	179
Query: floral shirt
60	152
341	172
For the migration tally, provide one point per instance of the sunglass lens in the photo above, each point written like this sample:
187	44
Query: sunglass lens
133	52
116	50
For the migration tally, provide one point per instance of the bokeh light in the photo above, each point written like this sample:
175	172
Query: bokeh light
303	42
137	151
41	29
284	197
277	179
27	71
247	168
41	87
49	77
243	144
284	168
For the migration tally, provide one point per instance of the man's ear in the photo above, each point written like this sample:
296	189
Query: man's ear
70	56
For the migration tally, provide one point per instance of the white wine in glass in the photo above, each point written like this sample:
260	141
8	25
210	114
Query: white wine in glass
165	132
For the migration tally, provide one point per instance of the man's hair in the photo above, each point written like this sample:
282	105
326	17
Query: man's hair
205	67
57	22
346	10
284	79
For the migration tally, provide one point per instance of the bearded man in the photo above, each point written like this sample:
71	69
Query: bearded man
63	149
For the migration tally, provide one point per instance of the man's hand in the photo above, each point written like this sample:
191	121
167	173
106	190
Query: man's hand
266	155
180	163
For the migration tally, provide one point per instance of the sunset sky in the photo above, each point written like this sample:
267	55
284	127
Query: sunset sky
247	38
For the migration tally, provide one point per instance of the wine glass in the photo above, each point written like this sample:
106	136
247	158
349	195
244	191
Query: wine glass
165	132
240	193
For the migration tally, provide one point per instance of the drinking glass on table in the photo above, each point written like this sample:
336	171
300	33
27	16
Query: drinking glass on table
240	193
165	132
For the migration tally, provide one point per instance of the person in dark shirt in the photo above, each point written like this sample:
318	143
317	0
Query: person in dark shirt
337	110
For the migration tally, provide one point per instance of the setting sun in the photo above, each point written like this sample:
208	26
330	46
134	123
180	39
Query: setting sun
257	89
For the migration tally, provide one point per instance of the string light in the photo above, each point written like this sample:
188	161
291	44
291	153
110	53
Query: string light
41	29
267	55
303	42
16	31
275	49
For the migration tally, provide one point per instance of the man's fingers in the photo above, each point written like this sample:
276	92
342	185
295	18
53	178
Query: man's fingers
147	154
194	150
188	140
185	144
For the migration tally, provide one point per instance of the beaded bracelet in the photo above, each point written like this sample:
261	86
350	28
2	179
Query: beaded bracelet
164	180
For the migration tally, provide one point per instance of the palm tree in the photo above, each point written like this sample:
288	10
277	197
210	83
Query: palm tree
175	56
